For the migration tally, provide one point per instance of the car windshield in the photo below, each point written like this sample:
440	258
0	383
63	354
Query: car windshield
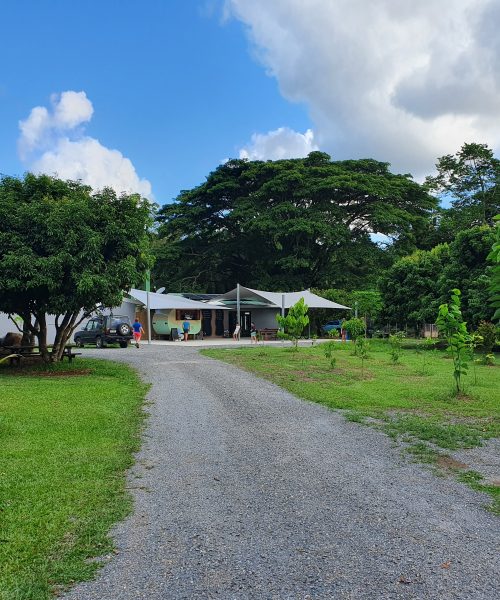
114	321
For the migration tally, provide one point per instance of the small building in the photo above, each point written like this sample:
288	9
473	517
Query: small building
169	311
213	315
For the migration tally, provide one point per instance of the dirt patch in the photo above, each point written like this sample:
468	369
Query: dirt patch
65	373
446	462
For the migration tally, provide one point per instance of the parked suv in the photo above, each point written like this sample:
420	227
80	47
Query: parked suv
100	331
327	327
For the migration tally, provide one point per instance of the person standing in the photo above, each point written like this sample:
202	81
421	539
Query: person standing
253	334
138	331
186	326
236	334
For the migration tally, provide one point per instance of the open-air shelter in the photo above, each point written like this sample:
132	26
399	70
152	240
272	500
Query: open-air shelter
260	306
216	316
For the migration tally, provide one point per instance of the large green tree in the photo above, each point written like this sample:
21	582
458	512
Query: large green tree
494	258
470	180
410	288
414	286
468	270
65	251
286	224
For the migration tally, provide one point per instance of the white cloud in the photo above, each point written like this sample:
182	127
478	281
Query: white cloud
52	141
397	80
280	143
72	109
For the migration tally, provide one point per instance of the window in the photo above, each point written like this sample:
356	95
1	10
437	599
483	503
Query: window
187	315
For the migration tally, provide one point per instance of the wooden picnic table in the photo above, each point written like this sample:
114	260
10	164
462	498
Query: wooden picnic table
268	334
33	351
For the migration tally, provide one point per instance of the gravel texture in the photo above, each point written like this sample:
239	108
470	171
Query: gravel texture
243	491
484	459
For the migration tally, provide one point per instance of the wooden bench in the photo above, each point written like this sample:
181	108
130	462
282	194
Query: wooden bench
69	354
15	358
18	352
268	334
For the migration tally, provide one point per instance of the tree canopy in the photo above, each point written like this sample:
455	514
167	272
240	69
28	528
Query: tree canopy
415	286
65	249
470	178
286	224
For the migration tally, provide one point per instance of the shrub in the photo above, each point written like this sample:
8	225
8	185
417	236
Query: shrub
295	322
395	342
328	350
488	332
453	327
355	328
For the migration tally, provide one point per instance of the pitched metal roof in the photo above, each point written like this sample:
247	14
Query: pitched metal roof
277	299
170	301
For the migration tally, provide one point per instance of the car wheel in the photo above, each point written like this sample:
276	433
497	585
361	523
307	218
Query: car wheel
123	344
123	329
98	342
79	343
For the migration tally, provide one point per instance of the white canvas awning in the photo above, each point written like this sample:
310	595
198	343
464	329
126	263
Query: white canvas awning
262	298
170	301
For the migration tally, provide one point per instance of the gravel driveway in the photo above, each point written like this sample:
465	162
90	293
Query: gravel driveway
243	491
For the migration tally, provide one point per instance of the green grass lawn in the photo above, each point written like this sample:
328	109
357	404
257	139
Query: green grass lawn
65	442
412	401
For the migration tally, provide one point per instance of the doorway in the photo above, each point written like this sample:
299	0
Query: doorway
245	322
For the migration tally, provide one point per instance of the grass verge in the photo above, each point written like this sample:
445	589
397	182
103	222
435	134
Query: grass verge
412	401
68	434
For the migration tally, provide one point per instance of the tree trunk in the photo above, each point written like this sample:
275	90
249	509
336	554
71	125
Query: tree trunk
27	333
41	334
63	334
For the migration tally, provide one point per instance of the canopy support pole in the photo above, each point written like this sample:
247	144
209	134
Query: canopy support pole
148	309
238	307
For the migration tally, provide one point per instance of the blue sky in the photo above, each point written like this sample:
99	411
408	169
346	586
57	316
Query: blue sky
173	88
151	96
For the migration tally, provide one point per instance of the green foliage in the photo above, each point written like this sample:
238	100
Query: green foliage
369	303
467	268
410	288
494	283
471	176
294	323
424	349
355	328
416	285
395	341
65	249
489	359
362	348
454	329
488	334
334	334
474	340
328	348
286	224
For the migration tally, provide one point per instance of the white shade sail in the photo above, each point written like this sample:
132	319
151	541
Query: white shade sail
170	301
275	299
